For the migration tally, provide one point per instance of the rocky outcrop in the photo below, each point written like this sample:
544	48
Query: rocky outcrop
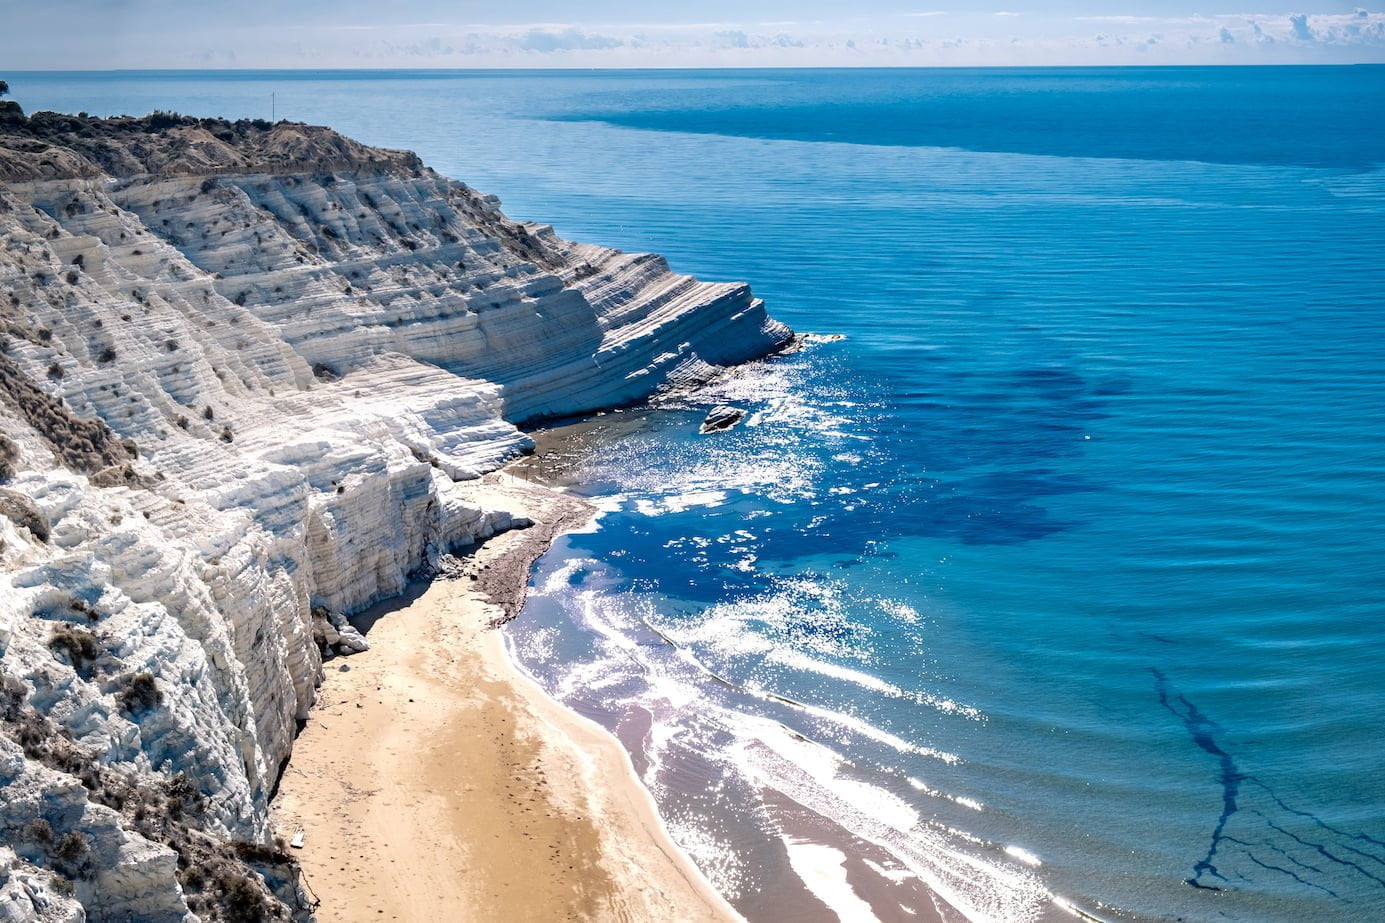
28	893
721	418
249	375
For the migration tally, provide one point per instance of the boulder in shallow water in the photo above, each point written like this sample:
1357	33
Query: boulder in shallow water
721	418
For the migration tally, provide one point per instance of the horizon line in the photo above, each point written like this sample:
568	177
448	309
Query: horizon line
685	67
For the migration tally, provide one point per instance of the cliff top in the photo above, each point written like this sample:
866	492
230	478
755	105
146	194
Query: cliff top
50	145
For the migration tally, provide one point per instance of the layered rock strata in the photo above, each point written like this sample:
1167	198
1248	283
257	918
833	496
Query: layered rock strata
249	373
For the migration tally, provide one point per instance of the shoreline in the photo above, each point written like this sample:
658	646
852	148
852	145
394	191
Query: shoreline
434	774
813	867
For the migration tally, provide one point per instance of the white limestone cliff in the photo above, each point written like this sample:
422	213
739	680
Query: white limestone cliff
315	348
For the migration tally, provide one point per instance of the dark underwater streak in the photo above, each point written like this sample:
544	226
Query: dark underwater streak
1326	826
1285	853
1322	851
1296	877
1201	728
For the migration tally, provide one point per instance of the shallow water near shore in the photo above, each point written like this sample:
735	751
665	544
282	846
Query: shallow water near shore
1060	575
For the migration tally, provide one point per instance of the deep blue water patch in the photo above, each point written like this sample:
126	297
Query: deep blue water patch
1310	116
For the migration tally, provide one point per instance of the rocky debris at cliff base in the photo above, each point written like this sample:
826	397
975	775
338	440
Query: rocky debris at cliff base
462	564
447	567
720	419
334	634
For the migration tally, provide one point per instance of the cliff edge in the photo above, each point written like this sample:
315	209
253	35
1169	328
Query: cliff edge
248	375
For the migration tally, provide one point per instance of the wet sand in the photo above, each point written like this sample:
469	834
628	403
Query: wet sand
435	781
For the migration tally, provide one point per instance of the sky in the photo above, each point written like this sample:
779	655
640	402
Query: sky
101	34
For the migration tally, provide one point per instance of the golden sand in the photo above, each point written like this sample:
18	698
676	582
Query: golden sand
436	782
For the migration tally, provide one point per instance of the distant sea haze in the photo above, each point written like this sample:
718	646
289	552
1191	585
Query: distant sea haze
1058	580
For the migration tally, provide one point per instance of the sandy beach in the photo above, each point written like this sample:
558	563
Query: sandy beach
435	781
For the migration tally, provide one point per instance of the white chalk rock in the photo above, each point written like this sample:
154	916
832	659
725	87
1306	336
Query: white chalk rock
30	895
314	366
348	638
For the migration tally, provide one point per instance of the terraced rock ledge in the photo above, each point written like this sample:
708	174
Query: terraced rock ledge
250	377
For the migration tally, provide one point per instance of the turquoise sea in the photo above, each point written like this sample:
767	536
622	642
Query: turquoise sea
1060	580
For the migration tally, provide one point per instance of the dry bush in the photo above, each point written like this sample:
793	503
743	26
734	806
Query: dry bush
9	454
81	646
72	856
13	692
139	693
39	831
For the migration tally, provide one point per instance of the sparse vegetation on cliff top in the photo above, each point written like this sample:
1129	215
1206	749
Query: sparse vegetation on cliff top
51	145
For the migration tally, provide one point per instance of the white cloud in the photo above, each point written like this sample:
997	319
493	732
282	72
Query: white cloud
546	41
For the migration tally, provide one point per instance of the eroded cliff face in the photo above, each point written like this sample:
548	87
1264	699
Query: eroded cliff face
249	375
